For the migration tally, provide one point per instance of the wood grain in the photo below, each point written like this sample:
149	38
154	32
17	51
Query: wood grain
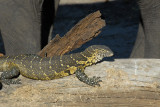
84	31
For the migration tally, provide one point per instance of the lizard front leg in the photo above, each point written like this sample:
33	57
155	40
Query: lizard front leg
84	78
7	76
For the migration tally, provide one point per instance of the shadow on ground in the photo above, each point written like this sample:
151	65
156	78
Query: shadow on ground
121	24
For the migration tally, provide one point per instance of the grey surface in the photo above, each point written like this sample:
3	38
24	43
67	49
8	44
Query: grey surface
148	42
25	25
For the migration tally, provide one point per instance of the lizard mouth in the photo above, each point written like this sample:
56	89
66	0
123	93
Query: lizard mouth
99	57
109	54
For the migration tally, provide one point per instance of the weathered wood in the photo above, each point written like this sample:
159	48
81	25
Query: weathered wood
84	31
126	82
1	55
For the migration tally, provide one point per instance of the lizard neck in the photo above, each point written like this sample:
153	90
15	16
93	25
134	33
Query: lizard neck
87	58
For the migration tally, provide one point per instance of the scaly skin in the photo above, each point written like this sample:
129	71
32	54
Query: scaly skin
36	67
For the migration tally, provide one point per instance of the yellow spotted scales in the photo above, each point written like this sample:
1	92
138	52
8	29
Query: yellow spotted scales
35	67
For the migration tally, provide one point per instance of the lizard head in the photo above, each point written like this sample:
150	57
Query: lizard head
100	51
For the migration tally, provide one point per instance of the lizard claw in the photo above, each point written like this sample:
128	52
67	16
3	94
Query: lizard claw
94	81
11	81
17	81
90	81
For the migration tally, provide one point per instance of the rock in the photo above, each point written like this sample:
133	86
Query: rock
124	82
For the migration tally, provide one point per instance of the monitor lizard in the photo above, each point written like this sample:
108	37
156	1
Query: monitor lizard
35	67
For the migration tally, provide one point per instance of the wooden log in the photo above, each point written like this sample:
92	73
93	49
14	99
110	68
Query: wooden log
1	54
125	82
84	31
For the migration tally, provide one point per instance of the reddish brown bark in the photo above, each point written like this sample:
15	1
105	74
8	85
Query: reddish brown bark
84	31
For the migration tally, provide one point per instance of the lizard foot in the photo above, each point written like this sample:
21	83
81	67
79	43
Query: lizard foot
11	81
94	81
84	78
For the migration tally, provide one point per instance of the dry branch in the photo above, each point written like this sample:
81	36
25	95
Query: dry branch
82	32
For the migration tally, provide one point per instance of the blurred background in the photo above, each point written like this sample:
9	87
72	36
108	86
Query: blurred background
121	16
